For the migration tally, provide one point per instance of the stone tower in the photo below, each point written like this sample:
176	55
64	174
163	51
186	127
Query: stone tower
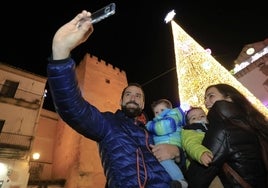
76	158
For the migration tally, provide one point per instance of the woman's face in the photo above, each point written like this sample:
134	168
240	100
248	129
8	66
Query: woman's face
212	95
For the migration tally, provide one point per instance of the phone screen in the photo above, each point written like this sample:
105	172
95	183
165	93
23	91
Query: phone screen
103	13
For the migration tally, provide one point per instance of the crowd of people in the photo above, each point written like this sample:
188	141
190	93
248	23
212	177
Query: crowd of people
133	154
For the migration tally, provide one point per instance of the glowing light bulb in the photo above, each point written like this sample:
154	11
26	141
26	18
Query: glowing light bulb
36	156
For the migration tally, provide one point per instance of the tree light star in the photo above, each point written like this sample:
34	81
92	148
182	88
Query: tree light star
170	16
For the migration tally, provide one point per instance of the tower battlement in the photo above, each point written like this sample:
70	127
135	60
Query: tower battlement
103	65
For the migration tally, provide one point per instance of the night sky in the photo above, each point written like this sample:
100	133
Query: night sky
135	39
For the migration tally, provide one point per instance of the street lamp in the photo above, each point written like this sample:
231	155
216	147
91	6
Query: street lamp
36	156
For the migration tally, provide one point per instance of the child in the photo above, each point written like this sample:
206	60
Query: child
166	128
192	135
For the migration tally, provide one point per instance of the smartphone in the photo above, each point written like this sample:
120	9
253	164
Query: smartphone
102	13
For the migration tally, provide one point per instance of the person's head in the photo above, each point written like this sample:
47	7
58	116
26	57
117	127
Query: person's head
196	115
132	100
226	92
160	105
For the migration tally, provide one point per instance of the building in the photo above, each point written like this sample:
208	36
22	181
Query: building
21	100
41	168
252	69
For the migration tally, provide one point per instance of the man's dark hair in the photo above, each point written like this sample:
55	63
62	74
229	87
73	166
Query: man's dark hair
133	84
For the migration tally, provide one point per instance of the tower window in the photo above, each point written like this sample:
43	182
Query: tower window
107	81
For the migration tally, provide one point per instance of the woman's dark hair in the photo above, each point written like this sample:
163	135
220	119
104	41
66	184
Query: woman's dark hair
255	118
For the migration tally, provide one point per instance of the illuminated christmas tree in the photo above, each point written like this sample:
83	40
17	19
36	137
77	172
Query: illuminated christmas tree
197	69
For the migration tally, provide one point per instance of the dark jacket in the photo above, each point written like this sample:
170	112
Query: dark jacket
232	144
123	144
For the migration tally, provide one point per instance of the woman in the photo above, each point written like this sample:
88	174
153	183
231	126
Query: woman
232	139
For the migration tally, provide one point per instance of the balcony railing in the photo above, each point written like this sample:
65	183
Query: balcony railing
37	170
15	146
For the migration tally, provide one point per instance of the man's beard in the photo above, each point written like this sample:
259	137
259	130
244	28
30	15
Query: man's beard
130	111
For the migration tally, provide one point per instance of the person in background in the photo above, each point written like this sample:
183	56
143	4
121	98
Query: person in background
233	139
124	143
166	128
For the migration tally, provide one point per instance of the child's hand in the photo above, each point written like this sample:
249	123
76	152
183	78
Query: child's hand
206	158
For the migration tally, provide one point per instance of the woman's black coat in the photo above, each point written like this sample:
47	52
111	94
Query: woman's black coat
232	144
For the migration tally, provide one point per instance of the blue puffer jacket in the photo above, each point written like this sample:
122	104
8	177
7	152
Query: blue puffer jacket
123	145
